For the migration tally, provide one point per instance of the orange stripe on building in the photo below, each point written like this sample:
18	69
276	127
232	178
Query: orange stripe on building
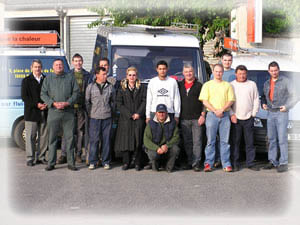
251	21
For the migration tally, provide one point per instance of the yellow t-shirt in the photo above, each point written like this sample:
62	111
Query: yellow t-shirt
217	93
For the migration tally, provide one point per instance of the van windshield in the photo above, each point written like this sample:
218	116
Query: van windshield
144	58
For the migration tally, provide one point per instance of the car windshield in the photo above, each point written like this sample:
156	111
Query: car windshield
260	77
144	58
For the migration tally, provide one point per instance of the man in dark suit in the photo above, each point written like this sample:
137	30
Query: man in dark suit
35	113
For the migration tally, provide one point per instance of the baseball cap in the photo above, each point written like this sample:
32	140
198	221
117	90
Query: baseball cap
161	108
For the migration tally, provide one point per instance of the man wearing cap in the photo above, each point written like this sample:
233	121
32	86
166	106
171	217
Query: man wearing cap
161	139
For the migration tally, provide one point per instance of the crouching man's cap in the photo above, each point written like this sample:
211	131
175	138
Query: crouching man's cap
161	108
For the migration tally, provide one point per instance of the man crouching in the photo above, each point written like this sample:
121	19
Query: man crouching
161	138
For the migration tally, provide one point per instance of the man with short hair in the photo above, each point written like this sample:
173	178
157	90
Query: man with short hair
228	75
217	96
277	100
35	115
161	139
82	77
60	92
243	112
99	98
163	90
192	117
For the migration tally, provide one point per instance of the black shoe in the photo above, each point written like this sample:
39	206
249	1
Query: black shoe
269	166
138	168
155	166
236	168
148	167
73	168
30	163
132	165
43	161
125	166
282	168
187	167
218	164
254	168
62	159
49	168
197	168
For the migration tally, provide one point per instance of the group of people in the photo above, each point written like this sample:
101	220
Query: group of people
80	106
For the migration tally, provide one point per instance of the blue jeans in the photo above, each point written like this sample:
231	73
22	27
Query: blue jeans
213	125
192	135
100	129
277	133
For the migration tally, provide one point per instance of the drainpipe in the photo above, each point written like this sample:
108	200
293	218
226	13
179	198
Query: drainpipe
62	15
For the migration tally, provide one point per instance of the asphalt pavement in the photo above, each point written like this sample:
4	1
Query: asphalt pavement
32	191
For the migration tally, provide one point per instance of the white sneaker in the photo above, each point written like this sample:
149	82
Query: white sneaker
106	167
91	167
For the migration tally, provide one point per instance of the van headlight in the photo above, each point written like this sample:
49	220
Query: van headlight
257	122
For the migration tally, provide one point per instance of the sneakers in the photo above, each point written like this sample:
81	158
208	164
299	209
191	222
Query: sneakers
92	167
282	168
207	168
107	167
269	166
73	168
125	166
62	159
148	167
197	168
43	161
227	169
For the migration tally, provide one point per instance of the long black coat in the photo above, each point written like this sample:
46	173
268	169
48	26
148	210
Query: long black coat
30	93
130	132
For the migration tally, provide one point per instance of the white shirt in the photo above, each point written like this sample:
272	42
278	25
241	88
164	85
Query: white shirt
247	99
163	92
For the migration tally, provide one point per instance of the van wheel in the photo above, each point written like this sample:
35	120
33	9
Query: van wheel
19	134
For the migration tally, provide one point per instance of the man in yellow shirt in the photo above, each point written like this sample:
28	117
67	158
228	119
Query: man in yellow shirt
217	96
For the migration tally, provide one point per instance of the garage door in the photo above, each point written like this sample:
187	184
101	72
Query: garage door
82	39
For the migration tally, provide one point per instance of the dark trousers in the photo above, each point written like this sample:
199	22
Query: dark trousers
244	127
99	130
170	156
130	157
81	128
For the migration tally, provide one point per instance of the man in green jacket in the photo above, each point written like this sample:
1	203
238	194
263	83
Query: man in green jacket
60	92
161	138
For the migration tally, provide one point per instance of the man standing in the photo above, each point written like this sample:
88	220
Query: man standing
228	75
278	99
217	96
82	77
35	114
161	139
243	112
99	104
192	117
60	92
163	90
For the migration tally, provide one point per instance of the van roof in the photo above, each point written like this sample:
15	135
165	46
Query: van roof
32	51
148	39
261	62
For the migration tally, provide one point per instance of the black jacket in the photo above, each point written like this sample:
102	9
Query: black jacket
30	93
191	106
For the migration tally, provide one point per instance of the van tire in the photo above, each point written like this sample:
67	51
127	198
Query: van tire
19	134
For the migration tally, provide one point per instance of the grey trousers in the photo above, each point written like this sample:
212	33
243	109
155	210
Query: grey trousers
36	140
192	139
170	156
